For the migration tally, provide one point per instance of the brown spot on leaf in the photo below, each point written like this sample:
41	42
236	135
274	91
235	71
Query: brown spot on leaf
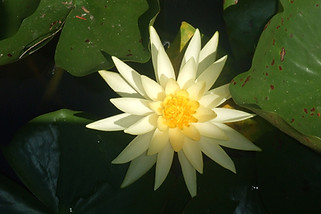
319	115
312	109
292	120
272	87
280	68
267	24
272	63
282	54
246	80
305	110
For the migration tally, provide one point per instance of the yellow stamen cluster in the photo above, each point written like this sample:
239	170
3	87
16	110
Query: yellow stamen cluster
178	109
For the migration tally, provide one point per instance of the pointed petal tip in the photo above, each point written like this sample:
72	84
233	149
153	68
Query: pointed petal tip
101	71
114	59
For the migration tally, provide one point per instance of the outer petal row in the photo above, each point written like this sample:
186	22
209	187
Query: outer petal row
133	106
216	153
138	168
236	140
162	65
189	173
226	115
210	74
193	49
130	75
163	165
216	96
114	123
118	84
134	149
208	54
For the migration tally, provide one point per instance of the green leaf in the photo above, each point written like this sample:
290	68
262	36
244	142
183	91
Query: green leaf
283	83
95	30
68	168
92	31
228	3
14	12
35	31
15	199
244	24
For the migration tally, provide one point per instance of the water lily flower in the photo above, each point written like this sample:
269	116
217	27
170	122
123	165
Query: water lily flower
174	113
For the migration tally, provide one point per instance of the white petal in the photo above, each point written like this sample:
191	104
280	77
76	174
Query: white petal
163	164
118	84
193	49
138	168
156	44
211	74
196	90
159	140
189	173
236	140
208	129
144	125
216	96
210	100
134	149
208	54
191	132
204	114
133	106
130	75
165	70
153	90
187	75
192	151
226	115
222	91
176	138
217	154
114	123
171	87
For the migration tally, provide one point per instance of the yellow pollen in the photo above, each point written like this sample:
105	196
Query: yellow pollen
178	109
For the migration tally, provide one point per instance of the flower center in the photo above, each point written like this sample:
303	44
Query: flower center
178	109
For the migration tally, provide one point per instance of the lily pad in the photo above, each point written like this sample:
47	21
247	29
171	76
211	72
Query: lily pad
228	3
91	32
283	84
67	168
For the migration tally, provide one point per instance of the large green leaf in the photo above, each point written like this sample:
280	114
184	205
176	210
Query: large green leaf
244	24
57	158
14	12
92	31
15	199
68	168
283	84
